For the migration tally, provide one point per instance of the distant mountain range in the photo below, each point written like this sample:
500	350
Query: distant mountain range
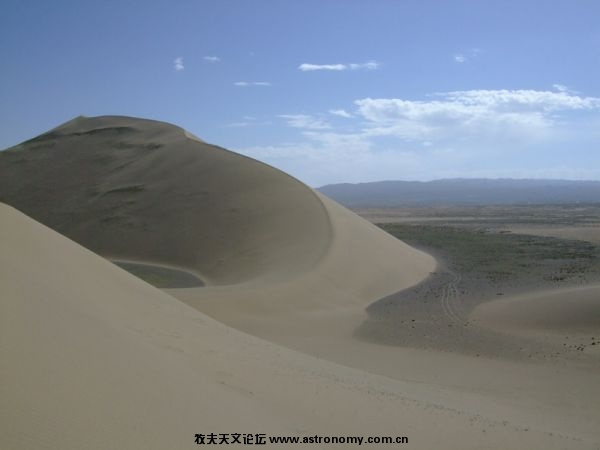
463	192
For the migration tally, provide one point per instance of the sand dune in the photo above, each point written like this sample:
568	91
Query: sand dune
92	357
562	312
139	189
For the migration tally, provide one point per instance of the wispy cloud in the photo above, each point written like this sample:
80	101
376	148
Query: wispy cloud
474	133
248	121
560	87
178	64
251	83
370	65
565	89
340	113
305	121
212	59
465	56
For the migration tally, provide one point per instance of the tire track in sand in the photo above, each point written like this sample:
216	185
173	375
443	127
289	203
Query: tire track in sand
450	300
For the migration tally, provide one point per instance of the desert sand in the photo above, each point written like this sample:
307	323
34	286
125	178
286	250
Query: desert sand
93	357
573	312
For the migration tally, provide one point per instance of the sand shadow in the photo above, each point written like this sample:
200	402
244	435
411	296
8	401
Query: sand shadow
160	276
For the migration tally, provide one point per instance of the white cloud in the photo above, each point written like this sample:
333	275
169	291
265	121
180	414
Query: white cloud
340	113
565	89
326	157
212	59
309	67
340	144
518	100
178	64
475	112
369	65
305	121
247	121
560	87
463	57
251	83
321	158
476	133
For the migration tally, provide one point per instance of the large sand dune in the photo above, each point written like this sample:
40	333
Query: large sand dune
131	188
262	241
92	357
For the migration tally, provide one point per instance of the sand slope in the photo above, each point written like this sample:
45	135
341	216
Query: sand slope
140	189
568	311
265	243
93	358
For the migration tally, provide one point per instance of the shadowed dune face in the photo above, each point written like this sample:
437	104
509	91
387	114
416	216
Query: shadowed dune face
229	218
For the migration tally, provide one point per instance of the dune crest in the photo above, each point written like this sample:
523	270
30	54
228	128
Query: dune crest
193	137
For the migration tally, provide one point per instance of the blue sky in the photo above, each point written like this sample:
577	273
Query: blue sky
329	91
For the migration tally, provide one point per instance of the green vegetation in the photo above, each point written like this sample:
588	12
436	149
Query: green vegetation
497	216
499	257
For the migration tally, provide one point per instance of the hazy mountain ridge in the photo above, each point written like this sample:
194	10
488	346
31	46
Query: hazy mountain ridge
461	191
